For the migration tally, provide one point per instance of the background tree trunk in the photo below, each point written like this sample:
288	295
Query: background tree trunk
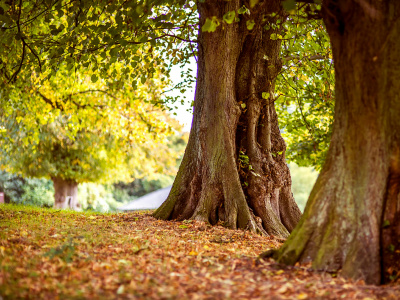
234	167
352	218
65	193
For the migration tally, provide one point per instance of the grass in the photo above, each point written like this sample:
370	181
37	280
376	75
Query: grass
59	254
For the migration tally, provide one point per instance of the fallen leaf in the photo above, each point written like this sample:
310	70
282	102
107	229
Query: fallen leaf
120	290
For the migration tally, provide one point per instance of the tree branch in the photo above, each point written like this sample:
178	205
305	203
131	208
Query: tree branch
311	57
14	75
47	100
92	91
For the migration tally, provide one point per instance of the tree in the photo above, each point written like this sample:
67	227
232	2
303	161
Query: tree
352	219
79	136
234	168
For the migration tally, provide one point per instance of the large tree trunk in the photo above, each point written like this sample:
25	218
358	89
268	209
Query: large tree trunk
65	194
234	167
352	218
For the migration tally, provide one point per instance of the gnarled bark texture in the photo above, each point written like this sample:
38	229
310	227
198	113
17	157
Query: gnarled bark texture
65	194
352	218
234	167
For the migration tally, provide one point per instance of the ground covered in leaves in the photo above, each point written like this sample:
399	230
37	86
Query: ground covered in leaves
50	254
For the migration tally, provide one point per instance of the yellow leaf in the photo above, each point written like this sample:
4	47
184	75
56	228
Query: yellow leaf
193	253
283	289
120	290
302	296
206	247
279	272
253	3
92	217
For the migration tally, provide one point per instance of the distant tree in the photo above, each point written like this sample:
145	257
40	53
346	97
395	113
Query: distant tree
161	177
79	136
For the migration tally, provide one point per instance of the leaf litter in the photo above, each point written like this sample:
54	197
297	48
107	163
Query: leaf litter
53	254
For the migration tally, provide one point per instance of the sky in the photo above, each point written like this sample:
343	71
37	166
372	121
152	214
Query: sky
182	114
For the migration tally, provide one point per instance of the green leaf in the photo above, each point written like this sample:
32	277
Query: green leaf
94	78
243	105
289	4
386	223
210	25
250	24
265	95
229	17
243	10
253	3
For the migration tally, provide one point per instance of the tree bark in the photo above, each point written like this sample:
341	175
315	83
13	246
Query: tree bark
65	194
352	219
234	167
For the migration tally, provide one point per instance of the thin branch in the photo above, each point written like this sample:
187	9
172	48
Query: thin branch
311	57
301	110
92	91
14	75
35	17
179	38
33	52
47	100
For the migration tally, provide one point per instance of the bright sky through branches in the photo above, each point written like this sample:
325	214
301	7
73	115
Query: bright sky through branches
184	112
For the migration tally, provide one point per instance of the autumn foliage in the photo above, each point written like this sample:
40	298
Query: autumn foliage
50	254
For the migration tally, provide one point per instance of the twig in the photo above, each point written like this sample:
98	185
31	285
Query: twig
14	75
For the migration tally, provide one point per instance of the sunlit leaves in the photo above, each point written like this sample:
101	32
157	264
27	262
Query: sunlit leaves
210	25
78	127
289	4
229	17
75	32
306	86
250	24
253	3
243	10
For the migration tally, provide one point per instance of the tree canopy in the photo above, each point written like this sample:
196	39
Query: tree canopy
70	127
145	35
126	43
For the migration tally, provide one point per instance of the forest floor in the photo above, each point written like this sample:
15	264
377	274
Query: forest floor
53	254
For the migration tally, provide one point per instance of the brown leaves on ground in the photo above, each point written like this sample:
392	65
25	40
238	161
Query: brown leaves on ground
49	254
